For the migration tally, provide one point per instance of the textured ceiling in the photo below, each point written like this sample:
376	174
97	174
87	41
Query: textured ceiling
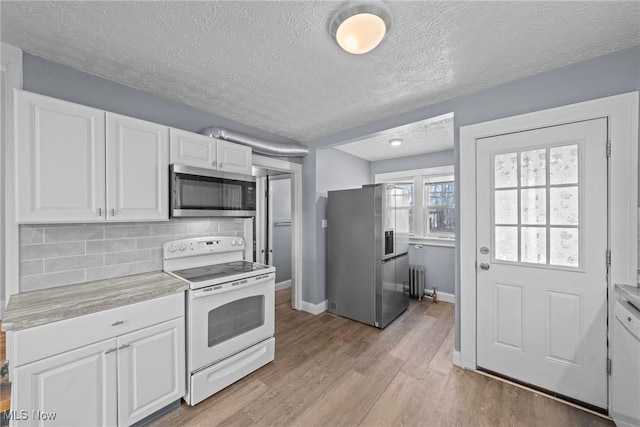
273	65
426	136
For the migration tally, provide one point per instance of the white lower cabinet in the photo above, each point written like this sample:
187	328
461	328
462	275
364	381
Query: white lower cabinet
76	388
151	370
131	372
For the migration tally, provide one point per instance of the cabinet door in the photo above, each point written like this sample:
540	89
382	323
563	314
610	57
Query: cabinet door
76	388
234	157
60	160
151	370
192	149
137	169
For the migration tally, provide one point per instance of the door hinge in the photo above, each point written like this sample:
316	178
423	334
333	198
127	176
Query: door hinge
608	148
608	258
608	366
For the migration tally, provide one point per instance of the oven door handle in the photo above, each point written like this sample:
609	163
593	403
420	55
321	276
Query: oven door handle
219	289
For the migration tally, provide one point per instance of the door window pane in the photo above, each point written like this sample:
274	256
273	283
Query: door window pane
565	247
506	241
534	245
564	205
533	206
563	164
528	207
533	167
506	207
506	170
235	318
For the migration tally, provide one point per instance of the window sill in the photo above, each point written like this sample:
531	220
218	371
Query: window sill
433	241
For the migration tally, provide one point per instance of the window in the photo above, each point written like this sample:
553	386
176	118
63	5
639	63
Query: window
440	208
427	213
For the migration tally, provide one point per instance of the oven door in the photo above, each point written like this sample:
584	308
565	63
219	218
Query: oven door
228	318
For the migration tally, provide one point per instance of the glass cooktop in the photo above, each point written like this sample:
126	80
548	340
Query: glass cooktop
216	271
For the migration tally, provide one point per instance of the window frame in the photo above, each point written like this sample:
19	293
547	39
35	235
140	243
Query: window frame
420	179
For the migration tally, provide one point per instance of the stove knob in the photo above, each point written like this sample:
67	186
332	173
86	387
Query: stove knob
183	247
233	243
239	242
172	248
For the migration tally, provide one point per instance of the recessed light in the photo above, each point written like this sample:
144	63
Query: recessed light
395	142
359	26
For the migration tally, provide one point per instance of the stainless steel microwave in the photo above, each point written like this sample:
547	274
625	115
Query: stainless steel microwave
198	192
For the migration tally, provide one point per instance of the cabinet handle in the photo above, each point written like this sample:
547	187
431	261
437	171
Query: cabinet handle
113	212
118	322
123	346
111	350
213	163
220	166
99	211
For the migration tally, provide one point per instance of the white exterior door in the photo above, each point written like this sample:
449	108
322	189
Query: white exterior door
137	169
234	158
61	164
79	386
542	274
151	370
191	149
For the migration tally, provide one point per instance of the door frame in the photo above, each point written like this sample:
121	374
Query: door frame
11	63
622	113
295	171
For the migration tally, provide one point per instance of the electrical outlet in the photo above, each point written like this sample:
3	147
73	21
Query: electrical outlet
324	223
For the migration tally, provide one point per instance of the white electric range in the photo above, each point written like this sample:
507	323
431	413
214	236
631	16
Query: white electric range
230	311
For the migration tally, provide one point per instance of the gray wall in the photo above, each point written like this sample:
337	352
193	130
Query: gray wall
429	160
439	264
281	201
335	170
63	82
607	75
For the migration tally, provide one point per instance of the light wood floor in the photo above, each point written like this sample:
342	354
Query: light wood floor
331	371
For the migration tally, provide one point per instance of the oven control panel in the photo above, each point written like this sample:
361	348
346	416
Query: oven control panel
202	246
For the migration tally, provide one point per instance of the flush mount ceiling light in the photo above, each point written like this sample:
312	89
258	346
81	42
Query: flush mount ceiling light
358	27
395	142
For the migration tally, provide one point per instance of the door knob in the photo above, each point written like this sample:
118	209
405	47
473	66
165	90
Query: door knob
484	266
261	251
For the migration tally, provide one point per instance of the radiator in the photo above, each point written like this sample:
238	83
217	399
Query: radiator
416	281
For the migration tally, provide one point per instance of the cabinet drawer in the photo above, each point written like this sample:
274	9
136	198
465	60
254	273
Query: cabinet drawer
29	345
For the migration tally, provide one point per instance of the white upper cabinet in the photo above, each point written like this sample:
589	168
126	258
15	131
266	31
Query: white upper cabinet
233	157
192	149
80	164
137	169
60	160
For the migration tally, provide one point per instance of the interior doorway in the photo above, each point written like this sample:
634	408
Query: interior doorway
273	237
277	226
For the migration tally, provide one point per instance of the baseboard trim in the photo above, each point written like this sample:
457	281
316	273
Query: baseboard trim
456	358
283	285
444	296
314	309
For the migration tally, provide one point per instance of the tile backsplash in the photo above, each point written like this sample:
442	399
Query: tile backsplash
64	254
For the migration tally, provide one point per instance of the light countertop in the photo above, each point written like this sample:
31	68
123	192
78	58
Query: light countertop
630	293
35	308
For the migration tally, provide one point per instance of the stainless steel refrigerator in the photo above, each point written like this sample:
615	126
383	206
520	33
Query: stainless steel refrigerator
367	256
